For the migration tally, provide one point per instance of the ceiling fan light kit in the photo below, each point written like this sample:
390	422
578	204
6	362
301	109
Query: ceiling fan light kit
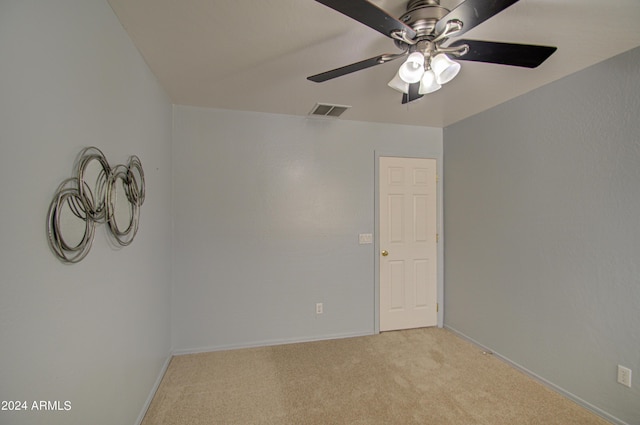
423	34
431	73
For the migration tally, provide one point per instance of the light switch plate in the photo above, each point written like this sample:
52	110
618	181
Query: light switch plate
365	238
624	376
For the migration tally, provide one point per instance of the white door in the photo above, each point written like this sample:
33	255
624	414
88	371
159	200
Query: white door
408	273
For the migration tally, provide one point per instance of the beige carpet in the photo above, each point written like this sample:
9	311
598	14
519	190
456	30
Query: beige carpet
420	376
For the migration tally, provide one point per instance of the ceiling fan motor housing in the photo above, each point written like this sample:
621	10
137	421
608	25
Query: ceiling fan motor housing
422	16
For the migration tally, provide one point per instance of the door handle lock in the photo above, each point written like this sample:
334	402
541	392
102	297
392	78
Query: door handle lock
384	253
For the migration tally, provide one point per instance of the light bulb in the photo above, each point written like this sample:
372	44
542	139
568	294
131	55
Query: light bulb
444	68
411	71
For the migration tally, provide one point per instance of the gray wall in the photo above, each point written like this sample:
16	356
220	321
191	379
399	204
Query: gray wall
542	255
96	333
268	209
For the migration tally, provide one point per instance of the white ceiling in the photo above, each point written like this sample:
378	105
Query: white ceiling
256	55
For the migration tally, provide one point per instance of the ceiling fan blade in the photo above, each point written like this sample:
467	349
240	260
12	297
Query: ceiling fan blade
369	15
413	93
524	55
348	69
473	13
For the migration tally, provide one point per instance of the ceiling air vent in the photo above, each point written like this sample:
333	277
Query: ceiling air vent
328	110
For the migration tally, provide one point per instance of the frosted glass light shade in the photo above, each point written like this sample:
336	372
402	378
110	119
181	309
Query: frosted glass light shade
396	83
444	68
411	71
428	83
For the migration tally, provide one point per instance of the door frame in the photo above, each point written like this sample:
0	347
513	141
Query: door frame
439	229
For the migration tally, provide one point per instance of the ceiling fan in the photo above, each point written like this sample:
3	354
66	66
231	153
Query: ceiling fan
423	32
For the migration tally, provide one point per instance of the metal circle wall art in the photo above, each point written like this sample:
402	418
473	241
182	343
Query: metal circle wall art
96	194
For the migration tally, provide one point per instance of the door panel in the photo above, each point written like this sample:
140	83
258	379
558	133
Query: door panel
396	275
421	218
421	268
395	222
408	277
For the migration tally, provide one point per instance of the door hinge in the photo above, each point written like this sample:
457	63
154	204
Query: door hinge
437	238
437	307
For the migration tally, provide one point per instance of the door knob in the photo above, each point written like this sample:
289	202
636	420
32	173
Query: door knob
384	253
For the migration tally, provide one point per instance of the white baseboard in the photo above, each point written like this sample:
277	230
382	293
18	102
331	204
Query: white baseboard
265	343
152	393
542	380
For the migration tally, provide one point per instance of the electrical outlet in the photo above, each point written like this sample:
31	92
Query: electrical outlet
319	308
624	376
